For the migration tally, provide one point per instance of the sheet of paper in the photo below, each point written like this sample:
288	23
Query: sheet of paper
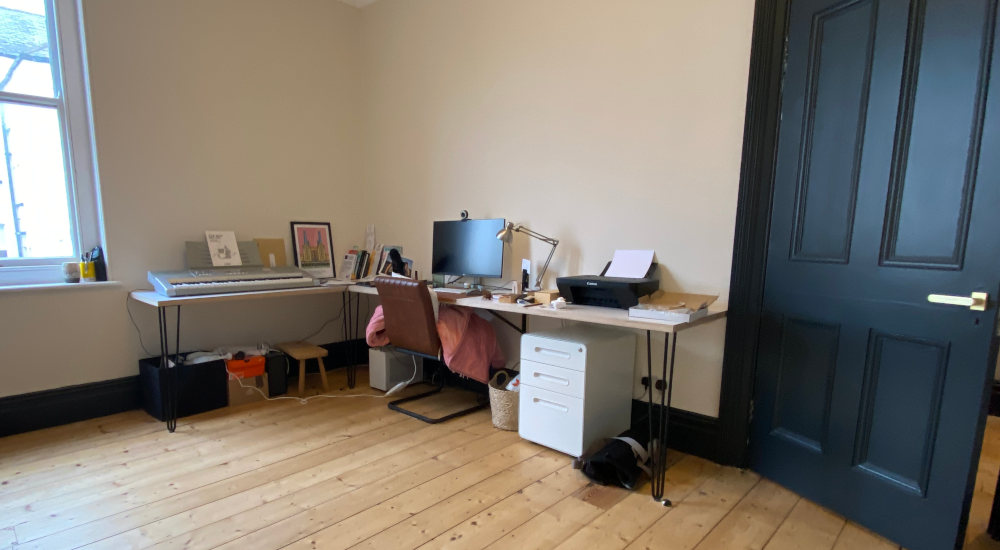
223	249
370	237
630	263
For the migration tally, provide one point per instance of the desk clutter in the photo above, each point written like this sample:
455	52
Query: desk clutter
673	307
207	380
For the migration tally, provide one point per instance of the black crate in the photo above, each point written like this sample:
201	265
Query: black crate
200	387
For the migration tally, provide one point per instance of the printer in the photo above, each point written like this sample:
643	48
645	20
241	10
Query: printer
598	290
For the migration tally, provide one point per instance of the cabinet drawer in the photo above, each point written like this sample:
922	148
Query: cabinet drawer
561	353
557	379
551	419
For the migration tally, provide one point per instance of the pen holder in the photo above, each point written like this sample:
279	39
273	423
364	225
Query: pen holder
88	272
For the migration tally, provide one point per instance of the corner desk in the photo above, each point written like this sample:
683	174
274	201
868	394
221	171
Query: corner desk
609	317
351	329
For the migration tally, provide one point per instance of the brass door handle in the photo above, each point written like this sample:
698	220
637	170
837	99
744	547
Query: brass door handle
976	301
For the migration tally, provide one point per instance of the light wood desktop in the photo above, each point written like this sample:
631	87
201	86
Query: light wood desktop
585	314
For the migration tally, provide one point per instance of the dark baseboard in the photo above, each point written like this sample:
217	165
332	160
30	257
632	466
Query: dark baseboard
688	432
346	353
44	409
995	399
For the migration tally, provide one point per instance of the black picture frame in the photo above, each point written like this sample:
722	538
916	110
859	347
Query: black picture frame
312	246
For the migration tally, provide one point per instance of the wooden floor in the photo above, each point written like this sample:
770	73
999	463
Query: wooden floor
338	473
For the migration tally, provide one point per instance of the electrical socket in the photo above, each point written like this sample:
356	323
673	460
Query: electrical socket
645	381
660	385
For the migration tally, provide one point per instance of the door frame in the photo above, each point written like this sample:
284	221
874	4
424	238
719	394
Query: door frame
753	217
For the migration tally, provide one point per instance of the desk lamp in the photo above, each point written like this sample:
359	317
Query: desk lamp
507	235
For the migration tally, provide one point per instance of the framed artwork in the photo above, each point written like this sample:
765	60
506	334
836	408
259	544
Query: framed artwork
313	248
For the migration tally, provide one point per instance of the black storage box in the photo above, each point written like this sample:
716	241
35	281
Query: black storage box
200	387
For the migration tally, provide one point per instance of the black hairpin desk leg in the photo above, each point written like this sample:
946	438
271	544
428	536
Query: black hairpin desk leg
352	369
351	315
658	444
169	378
993	528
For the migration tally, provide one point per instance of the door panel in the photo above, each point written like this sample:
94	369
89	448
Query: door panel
869	399
939	138
805	382
836	96
900	403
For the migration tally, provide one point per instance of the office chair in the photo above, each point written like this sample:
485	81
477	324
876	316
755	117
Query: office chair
411	329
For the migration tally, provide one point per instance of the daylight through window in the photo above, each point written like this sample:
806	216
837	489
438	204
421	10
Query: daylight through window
45	216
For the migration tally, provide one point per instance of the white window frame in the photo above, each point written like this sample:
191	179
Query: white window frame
80	159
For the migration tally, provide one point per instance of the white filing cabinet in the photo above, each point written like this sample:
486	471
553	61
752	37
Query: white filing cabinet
576	386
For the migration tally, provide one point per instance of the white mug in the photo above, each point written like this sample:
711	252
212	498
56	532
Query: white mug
71	272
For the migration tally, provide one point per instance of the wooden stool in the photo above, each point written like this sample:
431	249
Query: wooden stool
303	351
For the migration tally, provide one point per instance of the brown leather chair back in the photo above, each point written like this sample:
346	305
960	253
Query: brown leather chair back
409	315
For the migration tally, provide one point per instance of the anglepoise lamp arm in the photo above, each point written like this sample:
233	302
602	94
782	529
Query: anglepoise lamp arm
506	234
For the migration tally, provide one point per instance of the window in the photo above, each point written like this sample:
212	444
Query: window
49	208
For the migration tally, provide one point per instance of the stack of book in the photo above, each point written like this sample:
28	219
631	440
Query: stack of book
360	264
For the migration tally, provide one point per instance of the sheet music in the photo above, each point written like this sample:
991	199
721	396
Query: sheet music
223	249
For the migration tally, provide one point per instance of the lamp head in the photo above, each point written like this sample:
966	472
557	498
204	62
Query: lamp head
507	233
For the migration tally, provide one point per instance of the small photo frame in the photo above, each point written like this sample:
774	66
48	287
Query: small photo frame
313	248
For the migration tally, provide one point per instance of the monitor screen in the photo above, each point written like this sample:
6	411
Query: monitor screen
468	247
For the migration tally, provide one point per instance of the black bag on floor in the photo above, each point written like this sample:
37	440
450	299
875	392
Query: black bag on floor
620	461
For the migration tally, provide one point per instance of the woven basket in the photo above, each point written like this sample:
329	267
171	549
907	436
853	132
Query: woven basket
503	403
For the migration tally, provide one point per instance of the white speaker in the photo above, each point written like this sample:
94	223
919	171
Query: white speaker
386	369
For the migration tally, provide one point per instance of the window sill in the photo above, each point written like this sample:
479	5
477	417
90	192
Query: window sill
60	286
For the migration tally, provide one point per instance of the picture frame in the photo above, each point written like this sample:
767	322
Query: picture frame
312	246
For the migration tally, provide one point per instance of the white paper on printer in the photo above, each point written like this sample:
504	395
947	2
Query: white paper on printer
630	263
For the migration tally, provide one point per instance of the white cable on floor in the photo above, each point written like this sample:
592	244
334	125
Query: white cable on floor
304	400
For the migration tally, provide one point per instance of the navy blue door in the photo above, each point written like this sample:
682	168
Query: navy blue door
869	399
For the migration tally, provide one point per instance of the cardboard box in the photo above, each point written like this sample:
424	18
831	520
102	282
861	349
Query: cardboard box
505	298
674	307
545	296
673	316
238	394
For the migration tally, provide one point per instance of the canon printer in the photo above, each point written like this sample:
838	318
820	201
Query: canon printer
598	290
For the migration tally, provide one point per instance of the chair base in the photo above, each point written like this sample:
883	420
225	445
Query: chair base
394	405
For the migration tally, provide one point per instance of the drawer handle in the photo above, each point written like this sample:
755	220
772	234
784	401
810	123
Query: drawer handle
551	379
553	352
551	405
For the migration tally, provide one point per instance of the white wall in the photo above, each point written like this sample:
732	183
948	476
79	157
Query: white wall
604	124
230	114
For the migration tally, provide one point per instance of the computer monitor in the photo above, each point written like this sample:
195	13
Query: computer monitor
468	248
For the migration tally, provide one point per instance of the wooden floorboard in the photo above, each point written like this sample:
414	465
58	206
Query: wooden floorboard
349	473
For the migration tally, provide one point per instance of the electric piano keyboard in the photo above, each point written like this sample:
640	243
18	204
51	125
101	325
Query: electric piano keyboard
195	282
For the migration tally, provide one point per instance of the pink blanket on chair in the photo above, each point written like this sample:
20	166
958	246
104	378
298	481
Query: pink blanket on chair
468	342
